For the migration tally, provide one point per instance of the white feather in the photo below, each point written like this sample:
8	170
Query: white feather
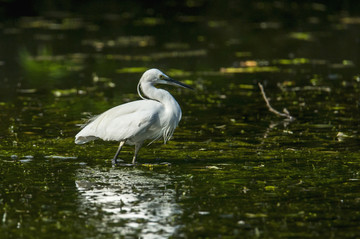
154	117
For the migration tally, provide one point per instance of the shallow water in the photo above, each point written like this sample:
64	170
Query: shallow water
233	169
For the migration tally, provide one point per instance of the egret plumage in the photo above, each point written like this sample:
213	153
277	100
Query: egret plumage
155	116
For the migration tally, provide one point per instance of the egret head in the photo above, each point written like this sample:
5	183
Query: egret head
155	76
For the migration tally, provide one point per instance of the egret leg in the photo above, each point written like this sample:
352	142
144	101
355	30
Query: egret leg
114	161
137	148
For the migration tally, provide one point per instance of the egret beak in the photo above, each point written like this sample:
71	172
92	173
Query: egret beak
170	81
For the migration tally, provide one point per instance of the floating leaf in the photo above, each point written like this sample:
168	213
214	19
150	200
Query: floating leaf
132	70
255	215
304	36
270	188
256	69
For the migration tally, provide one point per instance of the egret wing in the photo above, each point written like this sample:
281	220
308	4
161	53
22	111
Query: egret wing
122	122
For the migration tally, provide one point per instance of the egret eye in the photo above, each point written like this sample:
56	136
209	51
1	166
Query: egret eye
161	77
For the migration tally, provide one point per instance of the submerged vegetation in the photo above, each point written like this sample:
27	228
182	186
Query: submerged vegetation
233	168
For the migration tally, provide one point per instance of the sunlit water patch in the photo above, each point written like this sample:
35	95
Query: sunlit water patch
129	201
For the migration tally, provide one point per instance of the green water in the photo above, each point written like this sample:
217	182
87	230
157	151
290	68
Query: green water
232	170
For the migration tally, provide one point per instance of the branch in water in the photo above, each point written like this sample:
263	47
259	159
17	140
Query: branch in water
285	113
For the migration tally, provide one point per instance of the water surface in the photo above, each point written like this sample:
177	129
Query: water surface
233	169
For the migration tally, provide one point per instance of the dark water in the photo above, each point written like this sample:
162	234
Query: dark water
233	169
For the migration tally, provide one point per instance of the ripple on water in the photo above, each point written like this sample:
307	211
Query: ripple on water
130	200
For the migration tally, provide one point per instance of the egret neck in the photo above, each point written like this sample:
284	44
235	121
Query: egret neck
172	108
163	97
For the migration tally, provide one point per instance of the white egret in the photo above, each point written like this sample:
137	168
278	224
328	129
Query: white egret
155	116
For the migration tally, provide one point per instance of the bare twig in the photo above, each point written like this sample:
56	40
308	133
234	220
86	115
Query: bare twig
285	113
